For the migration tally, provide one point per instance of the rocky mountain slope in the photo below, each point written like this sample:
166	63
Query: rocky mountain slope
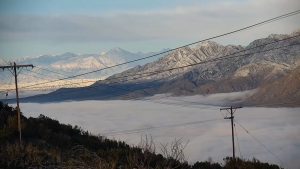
285	90
246	72
242	68
181	57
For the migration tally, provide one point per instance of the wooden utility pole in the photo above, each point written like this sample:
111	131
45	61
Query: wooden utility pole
14	67
231	110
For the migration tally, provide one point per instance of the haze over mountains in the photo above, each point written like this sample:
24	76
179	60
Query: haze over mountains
253	69
68	64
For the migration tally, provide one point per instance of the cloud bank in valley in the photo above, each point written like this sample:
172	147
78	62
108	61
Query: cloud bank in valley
277	128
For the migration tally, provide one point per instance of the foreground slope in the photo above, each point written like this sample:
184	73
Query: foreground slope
49	144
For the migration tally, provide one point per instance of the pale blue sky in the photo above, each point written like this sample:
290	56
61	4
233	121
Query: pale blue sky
42	7
37	27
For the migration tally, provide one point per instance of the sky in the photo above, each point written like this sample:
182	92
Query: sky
38	27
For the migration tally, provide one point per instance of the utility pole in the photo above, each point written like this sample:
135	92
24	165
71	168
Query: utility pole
14	67
231	110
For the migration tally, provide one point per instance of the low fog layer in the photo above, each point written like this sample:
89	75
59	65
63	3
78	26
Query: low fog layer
224	99
277	128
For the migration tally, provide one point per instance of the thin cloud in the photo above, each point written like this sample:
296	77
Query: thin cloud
147	29
185	22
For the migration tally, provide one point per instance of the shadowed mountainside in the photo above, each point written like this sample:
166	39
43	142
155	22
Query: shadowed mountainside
284	90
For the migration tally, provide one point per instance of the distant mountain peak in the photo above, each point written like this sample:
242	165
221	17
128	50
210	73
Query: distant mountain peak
208	44
277	36
70	54
209	48
117	50
297	32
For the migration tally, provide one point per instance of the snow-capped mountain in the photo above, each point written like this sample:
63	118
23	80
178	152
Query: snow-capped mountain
247	68
179	58
69	64
253	62
250	70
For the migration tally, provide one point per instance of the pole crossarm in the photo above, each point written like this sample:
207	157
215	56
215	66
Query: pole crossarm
232	107
17	66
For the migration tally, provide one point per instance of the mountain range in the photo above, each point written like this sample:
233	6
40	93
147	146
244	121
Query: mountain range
69	64
265	68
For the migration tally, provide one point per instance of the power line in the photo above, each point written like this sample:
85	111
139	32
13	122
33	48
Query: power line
215	59
151	72
192	103
34	76
51	71
28	74
42	76
38	71
8	84
207	61
157	72
108	95
260	143
5	61
219	58
233	55
188	103
167	103
193	43
237	139
139	130
67	83
272	104
7	78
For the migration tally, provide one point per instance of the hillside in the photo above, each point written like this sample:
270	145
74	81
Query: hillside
49	144
284	90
